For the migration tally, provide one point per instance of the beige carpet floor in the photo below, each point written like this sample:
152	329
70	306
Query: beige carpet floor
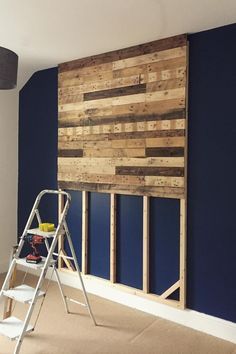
121	330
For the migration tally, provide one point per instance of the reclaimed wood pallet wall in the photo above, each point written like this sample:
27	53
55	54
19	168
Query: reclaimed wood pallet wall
122	121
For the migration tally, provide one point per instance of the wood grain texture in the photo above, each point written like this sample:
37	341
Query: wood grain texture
122	120
154	46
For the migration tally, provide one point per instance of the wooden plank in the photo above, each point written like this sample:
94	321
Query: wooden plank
73	89
169	64
165	142
101	178
173	65
134	51
171	289
131	109
113	238
70	121
183	216
122	161
85	71
183	251
70	152
146	204
68	263
124	143
165	152
136	152
81	80
149	58
124	91
128	99
88	177
98	86
164	181
150	171
84	232
164	75
103	125
163	85
119	134
162	192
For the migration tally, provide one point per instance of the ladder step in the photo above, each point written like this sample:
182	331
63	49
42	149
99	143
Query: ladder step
22	262
22	293
41	233
11	328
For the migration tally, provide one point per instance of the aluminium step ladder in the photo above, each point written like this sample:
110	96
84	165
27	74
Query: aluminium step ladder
12	327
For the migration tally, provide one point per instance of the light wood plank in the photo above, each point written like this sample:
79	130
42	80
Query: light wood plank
99	85
146	205
122	100
84	232
113	238
183	249
122	161
171	289
150	58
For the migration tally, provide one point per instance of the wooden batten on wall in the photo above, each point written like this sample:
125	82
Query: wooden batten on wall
123	130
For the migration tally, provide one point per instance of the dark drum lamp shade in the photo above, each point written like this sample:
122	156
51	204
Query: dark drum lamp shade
8	69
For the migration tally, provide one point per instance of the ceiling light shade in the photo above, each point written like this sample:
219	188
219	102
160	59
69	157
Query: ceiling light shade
8	69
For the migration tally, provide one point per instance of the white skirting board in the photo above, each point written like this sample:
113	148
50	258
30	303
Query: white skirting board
199	321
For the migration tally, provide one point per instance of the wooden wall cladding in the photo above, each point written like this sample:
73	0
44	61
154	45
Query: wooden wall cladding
122	120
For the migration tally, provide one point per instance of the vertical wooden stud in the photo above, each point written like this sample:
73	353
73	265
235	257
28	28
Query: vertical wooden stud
183	248
146	204
84	232
61	237
183	203
113	238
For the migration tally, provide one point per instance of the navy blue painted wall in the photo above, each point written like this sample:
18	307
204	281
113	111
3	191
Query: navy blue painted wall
164	244
99	235
212	173
74	222
129	240
37	143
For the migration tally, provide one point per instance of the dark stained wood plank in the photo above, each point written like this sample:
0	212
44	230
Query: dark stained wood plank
123	91
151	47
150	171
165	152
70	153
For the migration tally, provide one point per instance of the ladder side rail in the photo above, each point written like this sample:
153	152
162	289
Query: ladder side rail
37	289
29	222
20	246
79	273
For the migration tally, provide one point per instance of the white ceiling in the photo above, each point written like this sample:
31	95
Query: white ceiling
47	32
